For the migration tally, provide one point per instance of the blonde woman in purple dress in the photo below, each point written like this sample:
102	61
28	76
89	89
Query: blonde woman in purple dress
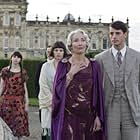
78	99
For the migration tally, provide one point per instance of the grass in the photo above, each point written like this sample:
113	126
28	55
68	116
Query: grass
33	102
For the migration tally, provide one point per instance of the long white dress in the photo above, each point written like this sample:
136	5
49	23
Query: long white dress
5	131
45	95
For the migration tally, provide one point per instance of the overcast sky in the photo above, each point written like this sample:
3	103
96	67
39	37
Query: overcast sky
119	9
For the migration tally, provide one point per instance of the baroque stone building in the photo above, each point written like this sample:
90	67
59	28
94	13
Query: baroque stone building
33	37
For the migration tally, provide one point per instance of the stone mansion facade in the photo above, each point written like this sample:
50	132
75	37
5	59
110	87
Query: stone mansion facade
33	37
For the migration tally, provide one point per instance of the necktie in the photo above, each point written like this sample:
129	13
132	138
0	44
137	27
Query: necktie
119	55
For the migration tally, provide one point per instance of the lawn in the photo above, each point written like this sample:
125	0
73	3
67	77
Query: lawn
33	102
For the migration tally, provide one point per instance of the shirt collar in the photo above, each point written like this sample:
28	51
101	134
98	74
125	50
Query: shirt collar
123	51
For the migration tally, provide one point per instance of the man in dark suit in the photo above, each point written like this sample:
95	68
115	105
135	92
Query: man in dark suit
120	66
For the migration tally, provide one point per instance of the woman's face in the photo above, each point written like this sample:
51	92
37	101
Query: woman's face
79	44
15	60
58	53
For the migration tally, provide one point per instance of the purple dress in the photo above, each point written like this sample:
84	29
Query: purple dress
75	107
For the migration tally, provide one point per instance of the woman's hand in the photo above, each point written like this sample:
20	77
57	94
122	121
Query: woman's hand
1	98
26	107
75	68
97	124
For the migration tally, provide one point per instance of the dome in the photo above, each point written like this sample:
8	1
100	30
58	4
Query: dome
69	17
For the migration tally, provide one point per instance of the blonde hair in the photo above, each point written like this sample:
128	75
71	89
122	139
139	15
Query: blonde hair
70	36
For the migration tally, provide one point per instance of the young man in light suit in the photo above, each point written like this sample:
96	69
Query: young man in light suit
120	68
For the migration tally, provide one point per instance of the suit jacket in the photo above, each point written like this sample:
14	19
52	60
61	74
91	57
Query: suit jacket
37	75
132	79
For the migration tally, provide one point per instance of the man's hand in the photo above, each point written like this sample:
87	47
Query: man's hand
1	99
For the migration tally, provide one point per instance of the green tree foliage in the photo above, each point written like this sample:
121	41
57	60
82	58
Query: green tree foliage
31	67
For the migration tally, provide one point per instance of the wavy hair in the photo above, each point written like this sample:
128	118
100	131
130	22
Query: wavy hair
70	36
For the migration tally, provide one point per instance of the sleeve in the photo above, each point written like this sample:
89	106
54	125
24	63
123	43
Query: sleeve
58	101
98	98
1	86
4	73
98	59
45	95
59	88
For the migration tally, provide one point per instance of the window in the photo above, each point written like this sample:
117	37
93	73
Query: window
57	31
94	41
17	42
6	19
17	19
93	46
31	39
6	42
105	44
36	43
36	39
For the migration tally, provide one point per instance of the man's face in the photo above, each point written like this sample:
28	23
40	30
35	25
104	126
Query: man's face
48	51
117	38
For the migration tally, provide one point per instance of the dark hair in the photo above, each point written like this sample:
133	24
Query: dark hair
58	44
18	54
119	25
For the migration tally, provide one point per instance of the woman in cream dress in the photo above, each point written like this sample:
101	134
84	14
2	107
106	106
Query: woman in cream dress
47	74
5	131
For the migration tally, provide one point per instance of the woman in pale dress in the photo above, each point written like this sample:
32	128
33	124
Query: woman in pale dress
5	131
46	79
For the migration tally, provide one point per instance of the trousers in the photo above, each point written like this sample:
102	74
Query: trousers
120	122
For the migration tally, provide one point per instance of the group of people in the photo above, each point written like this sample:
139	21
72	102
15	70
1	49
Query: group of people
79	97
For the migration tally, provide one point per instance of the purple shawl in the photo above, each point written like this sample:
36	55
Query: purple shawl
59	95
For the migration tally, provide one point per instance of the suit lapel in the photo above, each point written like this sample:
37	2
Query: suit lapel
129	63
108	65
